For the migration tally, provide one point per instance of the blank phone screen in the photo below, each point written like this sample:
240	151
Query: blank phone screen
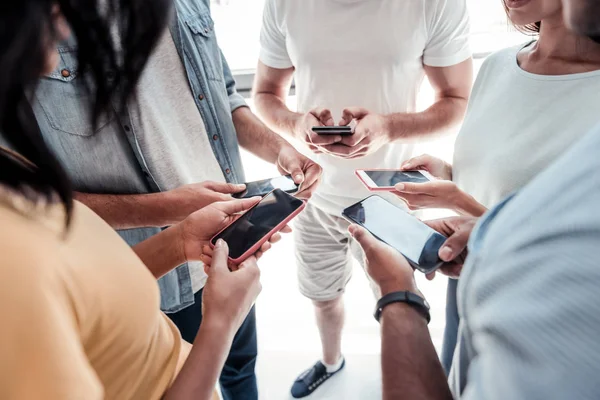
391	178
260	188
251	227
415	240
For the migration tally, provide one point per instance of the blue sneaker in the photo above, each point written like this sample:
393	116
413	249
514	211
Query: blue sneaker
311	379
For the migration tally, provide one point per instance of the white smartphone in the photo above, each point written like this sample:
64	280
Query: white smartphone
385	179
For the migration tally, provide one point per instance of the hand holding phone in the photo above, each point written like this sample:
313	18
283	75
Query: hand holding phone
251	230
386	179
263	187
414	239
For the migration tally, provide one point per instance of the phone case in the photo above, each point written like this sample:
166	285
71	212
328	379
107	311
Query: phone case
374	188
257	245
380	188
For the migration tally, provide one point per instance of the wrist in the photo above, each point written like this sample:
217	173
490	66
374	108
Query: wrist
169	208
217	325
465	204
396	286
395	126
400	311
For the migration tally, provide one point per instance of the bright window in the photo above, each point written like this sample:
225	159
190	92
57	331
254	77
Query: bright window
238	24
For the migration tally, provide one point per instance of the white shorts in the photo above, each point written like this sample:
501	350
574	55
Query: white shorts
324	252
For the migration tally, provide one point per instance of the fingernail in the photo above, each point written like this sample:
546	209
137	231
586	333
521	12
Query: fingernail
299	177
446	253
220	243
400	186
406	166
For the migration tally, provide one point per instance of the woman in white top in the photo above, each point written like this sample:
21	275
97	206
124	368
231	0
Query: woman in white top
529	104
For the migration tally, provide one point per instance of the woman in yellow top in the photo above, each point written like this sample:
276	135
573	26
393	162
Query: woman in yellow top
69	329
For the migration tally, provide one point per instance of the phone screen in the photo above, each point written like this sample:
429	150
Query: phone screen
391	178
416	241
254	225
261	188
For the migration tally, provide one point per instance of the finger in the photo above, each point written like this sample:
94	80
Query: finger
416	188
430	276
314	149
321	140
364	238
286	229
224	187
266	247
207	261
339	150
350	113
455	245
275	238
324	116
220	257
423	160
237	206
311	177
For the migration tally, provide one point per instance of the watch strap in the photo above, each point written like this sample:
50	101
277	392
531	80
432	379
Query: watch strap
410	298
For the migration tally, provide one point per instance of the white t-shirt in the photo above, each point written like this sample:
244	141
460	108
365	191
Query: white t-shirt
171	131
518	123
367	53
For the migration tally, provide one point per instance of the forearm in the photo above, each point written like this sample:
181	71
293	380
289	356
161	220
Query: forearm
130	210
275	113
411	367
467	205
435	121
162	252
198	377
256	137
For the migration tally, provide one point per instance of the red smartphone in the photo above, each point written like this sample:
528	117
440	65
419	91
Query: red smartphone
251	230
384	180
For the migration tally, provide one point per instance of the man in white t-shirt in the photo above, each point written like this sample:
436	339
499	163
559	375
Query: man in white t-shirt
361	60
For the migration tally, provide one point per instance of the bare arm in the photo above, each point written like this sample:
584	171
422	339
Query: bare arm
129	210
256	137
161	209
271	87
204	364
162	252
411	367
452	86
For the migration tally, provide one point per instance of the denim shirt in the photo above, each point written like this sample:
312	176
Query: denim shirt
108	159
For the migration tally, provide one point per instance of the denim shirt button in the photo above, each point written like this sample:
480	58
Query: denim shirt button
127	128
201	97
215	137
227	171
65	72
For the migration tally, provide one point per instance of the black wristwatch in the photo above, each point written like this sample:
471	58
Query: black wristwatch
414	300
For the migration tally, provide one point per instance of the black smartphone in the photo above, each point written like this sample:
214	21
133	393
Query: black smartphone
266	186
417	242
246	234
333	130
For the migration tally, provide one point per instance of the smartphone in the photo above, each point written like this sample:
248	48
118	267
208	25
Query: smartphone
266	186
417	242
386	179
253	228
333	130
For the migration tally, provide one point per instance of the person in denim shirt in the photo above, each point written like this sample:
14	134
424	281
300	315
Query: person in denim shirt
139	167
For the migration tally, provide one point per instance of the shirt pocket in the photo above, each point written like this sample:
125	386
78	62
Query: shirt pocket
202	28
64	99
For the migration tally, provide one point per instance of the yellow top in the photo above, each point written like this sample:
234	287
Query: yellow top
79	312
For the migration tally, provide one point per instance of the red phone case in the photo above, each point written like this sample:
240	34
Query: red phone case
256	247
378	188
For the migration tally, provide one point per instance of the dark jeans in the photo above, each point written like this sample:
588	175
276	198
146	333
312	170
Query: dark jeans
238	380
451	329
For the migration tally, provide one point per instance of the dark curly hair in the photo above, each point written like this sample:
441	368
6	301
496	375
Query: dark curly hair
115	39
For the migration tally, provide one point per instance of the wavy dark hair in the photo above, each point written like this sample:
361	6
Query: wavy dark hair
115	39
